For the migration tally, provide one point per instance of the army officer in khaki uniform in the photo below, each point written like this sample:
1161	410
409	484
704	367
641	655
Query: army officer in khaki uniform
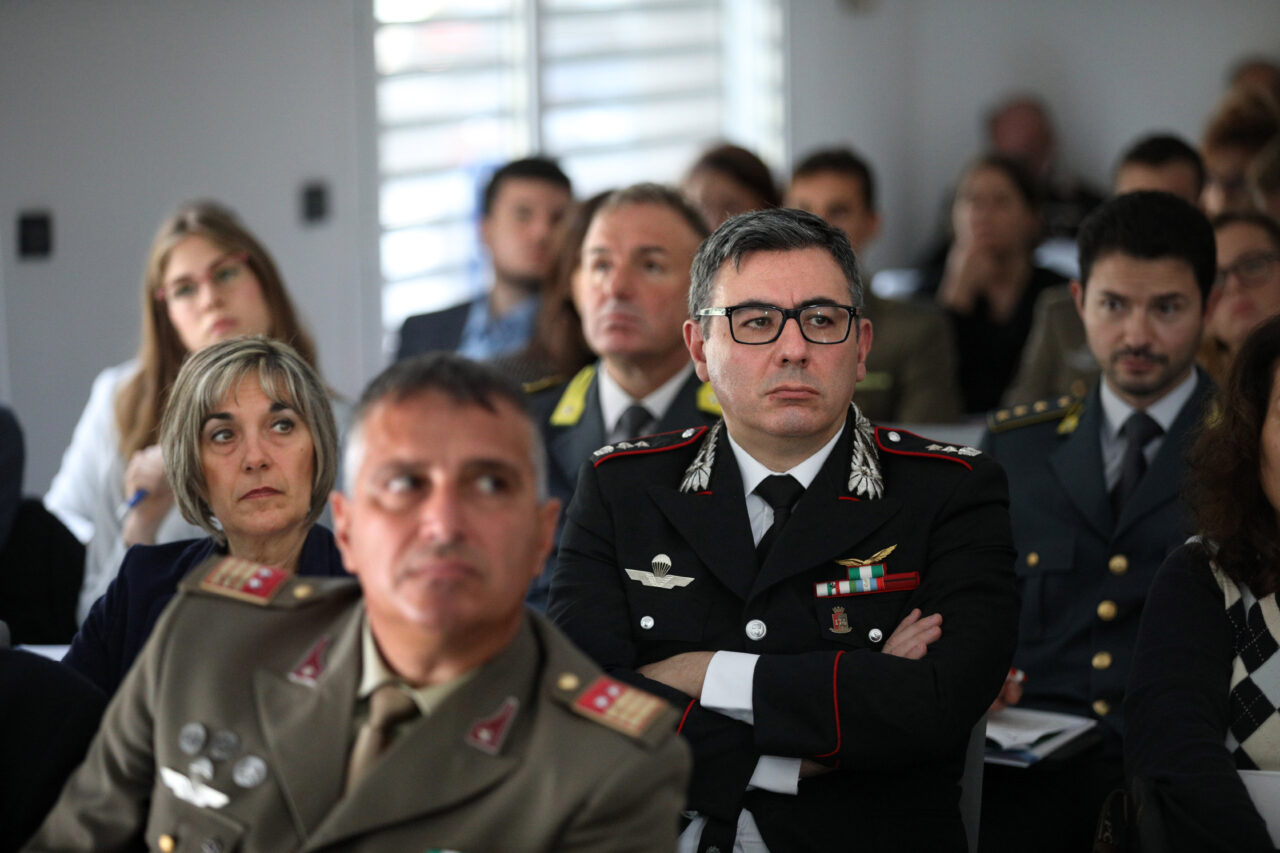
419	708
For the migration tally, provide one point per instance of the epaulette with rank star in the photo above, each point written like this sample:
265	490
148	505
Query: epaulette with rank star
903	443
648	444
243	580
619	706
1065	408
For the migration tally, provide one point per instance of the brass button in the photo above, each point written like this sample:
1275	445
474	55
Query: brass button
1033	559
1102	707
1119	564
1106	610
567	681
1102	660
166	843
303	590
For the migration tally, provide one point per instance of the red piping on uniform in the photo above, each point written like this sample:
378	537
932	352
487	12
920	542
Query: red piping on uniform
703	493
901	452
848	498
629	452
835	702
687	709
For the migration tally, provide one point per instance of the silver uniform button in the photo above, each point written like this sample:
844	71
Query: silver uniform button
191	738
646	622
893	436
756	629
875	635
249	772
687	433
223	745
211	845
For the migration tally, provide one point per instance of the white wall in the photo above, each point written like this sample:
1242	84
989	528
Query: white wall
906	81
115	111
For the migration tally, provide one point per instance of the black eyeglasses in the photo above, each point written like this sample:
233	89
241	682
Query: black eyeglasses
1251	270
762	324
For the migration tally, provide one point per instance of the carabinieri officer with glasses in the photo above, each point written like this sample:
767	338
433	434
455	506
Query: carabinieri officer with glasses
830	604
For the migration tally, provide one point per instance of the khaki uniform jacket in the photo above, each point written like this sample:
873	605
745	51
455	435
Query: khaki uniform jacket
1056	359
911	370
508	762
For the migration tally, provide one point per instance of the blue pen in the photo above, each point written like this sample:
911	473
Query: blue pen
126	506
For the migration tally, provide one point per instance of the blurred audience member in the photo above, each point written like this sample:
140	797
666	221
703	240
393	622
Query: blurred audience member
207	279
1263	175
12	462
631	294
250	445
1244	121
911	374
1093	503
519	210
989	282
47	719
1256	72
1247	289
727	180
558	348
1162	162
1201	700
41	563
1057	359
1021	129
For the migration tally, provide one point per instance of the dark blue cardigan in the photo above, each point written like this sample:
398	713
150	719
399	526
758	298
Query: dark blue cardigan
120	621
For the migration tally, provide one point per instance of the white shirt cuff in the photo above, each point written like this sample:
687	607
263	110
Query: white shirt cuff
726	689
776	773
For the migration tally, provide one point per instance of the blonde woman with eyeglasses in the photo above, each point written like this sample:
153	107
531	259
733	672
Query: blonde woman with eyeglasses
207	279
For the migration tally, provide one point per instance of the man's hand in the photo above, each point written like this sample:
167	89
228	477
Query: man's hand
685	672
913	635
1011	692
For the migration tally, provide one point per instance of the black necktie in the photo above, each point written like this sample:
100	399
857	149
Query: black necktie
1138	431
633	421
780	491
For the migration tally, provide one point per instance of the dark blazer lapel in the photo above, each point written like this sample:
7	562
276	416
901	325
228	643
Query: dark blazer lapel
573	445
825	523
308	726
715	525
436	764
1077	463
1163	478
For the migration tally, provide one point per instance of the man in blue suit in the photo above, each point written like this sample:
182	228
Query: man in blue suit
522	204
1093	493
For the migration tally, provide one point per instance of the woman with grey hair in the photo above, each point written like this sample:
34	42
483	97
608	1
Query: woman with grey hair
251	452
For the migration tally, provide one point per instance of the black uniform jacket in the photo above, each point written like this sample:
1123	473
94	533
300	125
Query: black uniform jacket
894	730
1082	574
568	414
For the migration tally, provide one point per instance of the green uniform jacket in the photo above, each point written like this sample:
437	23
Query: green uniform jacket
509	761
1056	359
911	369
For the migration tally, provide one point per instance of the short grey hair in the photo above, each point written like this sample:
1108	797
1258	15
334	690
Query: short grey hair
204	381
659	195
463	381
776	230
